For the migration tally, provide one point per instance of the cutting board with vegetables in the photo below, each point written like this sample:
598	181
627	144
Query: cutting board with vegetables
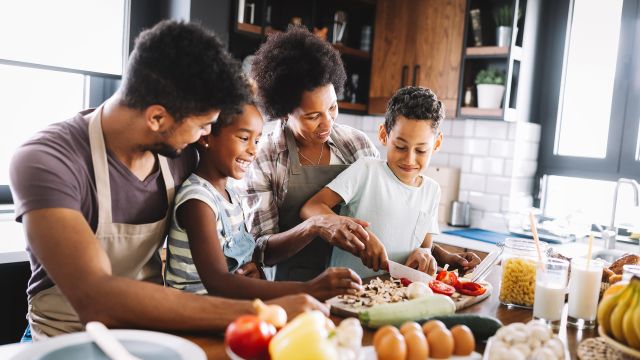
389	290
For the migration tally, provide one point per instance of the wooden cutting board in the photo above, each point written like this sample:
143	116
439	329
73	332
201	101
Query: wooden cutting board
340	308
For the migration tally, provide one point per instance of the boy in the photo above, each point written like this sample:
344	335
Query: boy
210	250
398	201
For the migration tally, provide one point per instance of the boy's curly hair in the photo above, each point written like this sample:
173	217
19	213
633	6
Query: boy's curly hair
185	68
415	103
288	64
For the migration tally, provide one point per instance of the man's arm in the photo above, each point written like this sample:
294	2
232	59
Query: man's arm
65	245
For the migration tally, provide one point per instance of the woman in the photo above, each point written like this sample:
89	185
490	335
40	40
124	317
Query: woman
297	77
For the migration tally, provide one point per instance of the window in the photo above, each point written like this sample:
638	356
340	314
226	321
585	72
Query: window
50	54
589	108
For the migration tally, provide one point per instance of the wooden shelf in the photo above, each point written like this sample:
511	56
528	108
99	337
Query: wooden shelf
351	51
487	51
477	112
250	28
269	30
352	106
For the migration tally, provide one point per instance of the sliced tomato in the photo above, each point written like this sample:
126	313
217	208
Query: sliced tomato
405	281
441	288
470	288
448	277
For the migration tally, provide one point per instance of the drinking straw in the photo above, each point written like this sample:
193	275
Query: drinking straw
590	247
534	231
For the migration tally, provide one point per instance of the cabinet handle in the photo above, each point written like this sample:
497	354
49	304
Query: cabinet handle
405	73
416	71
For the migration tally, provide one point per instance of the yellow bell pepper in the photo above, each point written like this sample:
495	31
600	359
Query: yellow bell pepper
305	338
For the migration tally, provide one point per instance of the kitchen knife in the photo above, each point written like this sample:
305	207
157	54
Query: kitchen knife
399	271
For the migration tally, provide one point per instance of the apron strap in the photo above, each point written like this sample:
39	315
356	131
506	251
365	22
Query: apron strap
294	159
168	181
100	166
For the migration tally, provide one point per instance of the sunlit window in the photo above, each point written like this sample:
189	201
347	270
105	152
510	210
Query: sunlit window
86	35
589	77
31	99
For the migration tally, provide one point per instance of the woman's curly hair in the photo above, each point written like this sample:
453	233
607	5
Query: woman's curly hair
416	103
185	68
288	64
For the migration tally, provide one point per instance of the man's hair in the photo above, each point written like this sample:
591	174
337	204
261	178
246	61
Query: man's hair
415	103
288	64
184	68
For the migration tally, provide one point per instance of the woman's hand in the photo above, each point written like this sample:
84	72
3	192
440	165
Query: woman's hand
334	281
464	261
374	255
250	269
422	261
347	233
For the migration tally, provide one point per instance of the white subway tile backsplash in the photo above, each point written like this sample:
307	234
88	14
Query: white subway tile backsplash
521	186
486	202
453	145
502	148
455	160
477	147
476	217
466	163
354	121
498	185
445	127
491	129
371	123
472	182
462	128
440	159
494	221
463	195
524	131
489	166
525	168
505	207
508	167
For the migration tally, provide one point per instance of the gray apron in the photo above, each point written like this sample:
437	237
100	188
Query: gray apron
304	182
133	250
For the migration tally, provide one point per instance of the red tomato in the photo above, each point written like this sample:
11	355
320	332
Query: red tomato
439	287
448	277
248	337
405	281
470	288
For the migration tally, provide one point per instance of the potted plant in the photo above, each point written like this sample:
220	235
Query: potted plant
503	17
490	85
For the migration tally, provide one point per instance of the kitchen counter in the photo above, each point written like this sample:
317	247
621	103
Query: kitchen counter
12	241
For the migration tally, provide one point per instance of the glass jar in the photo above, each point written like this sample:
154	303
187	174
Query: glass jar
519	264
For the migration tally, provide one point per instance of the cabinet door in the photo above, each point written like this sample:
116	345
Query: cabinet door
393	51
438	48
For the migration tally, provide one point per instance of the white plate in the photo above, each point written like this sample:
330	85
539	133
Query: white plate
141	343
368	353
617	345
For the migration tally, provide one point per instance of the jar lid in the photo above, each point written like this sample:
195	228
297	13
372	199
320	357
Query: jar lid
525	246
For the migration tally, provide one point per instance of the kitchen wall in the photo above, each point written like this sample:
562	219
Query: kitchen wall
497	159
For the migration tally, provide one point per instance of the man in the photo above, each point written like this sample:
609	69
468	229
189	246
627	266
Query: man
94	192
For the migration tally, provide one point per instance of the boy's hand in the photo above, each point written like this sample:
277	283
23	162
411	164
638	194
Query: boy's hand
297	304
374	255
347	233
422	261
334	281
249	269
464	261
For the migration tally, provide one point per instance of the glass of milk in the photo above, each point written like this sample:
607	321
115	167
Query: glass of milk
551	288
584	290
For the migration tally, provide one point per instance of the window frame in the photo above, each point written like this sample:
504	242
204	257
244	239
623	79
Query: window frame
623	126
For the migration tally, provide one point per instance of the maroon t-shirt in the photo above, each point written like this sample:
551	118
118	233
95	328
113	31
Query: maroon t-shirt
54	170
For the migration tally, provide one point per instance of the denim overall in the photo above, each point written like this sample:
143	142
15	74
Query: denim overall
238	247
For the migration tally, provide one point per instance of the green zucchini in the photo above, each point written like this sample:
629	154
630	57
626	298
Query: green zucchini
482	326
412	310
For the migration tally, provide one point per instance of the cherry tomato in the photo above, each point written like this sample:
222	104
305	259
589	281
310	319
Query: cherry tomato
441	288
448	277
470	288
405	281
248	337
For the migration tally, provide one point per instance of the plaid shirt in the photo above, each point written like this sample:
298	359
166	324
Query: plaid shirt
267	180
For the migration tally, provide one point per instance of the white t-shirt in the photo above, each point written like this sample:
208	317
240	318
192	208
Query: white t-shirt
400	215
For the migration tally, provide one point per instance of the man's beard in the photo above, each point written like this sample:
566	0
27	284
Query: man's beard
165	150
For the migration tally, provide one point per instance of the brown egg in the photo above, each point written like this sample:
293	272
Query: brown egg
432	324
383	331
391	346
410	326
463	340
440	343
417	347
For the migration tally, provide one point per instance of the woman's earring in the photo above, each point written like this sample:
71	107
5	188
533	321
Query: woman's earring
206	145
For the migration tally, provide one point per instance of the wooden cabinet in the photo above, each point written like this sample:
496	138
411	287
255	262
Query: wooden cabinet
417	42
